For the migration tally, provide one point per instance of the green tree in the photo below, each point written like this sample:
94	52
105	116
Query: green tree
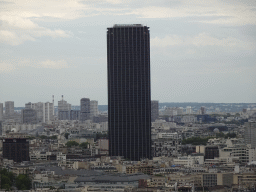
72	143
54	137
196	141
43	137
101	135
7	179
23	182
84	145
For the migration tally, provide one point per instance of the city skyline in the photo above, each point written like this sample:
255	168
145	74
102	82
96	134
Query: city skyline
200	51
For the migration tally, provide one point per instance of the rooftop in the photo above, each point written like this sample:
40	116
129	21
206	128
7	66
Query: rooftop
127	25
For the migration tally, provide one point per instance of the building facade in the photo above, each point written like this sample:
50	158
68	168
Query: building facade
9	108
129	94
85	109
63	110
154	110
1	111
93	108
250	134
16	149
29	116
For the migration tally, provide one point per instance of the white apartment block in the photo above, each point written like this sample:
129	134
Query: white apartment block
93	108
45	111
9	108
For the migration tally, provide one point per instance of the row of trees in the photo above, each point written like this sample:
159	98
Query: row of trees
196	141
9	180
74	143
203	141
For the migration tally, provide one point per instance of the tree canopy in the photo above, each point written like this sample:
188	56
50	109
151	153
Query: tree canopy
23	182
72	143
84	145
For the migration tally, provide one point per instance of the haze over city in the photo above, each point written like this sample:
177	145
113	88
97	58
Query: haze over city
201	51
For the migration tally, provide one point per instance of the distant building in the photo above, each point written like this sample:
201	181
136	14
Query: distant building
129	96
29	116
154	110
1	111
75	115
203	110
9	108
188	110
1	128
45	111
48	113
250	134
180	111
93	108
211	152
64	109
16	149
85	109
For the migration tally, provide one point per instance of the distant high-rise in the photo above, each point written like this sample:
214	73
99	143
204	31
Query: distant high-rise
250	134
44	111
16	149
85	109
1	111
154	110
1	128
93	108
63	110
9	108
129	96
29	116
75	115
48	112
188	110
203	110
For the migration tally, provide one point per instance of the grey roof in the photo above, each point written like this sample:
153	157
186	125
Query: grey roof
112	178
59	171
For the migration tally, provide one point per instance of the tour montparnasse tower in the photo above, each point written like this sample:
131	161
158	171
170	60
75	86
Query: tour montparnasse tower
129	94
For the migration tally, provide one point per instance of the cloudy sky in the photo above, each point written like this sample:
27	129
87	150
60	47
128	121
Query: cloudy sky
201	51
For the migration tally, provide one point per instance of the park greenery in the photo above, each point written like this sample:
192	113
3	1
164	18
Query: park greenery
51	137
84	145
101	136
203	141
195	141
72	143
228	135
9	180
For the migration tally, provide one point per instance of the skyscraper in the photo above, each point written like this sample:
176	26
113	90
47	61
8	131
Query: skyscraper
129	96
93	108
85	109
250	133
9	108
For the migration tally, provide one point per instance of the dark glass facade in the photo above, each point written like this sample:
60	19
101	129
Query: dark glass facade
129	96
16	149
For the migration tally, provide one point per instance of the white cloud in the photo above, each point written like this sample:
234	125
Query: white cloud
200	40
18	63
212	11
6	67
59	64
